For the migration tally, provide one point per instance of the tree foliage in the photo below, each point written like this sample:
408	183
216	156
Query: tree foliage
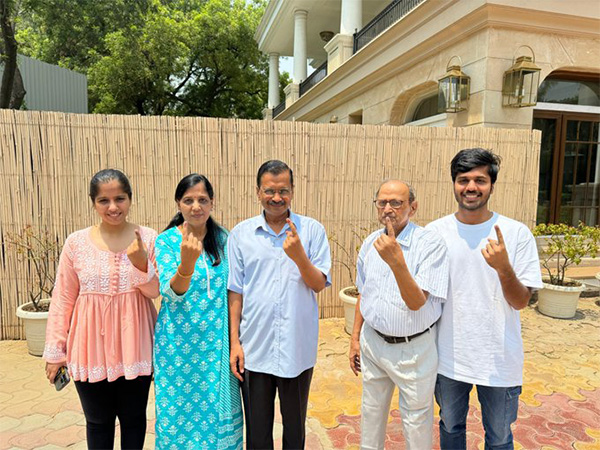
71	33
178	57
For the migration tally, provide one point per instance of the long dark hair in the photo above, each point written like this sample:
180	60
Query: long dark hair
214	241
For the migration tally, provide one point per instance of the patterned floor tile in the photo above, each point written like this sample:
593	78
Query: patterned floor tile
559	407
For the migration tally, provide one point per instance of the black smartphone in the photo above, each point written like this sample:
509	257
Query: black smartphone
62	378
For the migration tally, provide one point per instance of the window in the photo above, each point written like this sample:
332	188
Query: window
355	118
426	108
570	92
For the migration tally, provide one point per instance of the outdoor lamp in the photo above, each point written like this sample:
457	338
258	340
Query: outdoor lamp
326	35
521	81
453	89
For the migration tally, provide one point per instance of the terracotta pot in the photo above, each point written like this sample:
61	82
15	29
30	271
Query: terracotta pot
559	301
349	308
35	328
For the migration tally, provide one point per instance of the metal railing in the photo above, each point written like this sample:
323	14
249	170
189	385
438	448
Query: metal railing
313	79
279	109
382	21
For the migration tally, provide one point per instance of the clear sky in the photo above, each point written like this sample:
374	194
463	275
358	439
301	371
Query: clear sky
286	64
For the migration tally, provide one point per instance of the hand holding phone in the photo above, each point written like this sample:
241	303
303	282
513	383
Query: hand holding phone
62	378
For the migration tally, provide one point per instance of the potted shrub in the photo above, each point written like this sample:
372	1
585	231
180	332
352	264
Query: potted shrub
39	250
346	257
563	246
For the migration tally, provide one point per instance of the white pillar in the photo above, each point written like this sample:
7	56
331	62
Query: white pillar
273	80
351	16
300	45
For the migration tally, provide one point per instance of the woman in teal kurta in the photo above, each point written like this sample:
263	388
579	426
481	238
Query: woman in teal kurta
197	398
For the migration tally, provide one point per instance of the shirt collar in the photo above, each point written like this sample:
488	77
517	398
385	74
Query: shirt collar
405	236
262	222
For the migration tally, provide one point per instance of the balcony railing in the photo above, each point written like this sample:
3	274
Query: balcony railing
382	21
313	79
279	109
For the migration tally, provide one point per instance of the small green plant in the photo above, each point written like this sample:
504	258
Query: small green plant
566	245
40	250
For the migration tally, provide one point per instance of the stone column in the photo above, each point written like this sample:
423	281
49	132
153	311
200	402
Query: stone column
351	16
300	45
273	80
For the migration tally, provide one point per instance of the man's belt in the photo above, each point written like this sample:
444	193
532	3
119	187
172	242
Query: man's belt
401	339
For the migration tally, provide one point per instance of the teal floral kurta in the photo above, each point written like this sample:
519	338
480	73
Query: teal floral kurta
197	398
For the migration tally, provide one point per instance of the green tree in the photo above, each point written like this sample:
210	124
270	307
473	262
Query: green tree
71	33
178	57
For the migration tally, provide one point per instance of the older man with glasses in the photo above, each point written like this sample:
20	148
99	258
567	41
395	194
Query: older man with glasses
278	262
402	277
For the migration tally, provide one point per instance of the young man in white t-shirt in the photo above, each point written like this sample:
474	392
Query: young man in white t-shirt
494	268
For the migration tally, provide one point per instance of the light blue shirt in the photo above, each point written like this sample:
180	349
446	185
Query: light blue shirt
279	327
381	303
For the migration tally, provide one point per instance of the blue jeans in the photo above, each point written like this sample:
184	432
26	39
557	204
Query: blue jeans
499	406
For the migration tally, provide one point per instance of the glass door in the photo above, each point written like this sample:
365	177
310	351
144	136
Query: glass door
569	185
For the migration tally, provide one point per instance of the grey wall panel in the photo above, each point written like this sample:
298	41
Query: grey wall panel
52	88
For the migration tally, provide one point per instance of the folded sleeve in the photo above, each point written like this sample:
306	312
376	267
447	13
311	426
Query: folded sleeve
360	265
320	253
527	261
235	282
432	273
64	296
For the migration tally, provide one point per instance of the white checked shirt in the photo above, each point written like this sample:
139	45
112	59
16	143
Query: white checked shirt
381	304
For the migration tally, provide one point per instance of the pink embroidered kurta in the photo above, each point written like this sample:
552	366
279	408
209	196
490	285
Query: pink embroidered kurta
101	320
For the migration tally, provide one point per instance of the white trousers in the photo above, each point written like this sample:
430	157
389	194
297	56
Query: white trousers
412	366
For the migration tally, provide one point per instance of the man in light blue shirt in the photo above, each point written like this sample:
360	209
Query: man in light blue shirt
278	262
402	277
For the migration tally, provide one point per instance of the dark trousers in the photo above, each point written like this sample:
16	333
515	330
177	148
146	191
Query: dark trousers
104	401
258	392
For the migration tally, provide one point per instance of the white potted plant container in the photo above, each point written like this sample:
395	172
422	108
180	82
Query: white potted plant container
38	250
349	297
564	246
346	255
35	326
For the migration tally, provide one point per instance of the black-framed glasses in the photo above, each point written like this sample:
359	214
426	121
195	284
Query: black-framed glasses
395	204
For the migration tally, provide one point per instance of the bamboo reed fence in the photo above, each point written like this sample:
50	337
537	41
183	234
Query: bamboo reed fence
47	160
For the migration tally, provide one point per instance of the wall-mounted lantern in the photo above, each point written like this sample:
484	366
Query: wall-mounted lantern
326	36
521	82
454	89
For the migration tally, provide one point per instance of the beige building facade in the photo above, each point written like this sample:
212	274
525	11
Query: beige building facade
393	78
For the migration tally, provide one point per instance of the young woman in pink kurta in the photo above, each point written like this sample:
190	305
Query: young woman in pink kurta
101	321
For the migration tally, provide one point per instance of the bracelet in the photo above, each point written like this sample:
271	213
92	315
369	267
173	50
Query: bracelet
184	276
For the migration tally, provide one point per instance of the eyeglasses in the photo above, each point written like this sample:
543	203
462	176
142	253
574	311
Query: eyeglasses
395	204
272	192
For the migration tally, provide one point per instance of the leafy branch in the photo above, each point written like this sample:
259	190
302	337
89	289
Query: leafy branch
566	245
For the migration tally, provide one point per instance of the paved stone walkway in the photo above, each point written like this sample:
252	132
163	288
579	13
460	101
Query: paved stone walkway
559	407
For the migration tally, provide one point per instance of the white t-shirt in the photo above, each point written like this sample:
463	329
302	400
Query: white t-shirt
479	333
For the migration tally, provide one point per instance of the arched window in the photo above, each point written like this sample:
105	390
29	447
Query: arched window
426	108
425	113
569	92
